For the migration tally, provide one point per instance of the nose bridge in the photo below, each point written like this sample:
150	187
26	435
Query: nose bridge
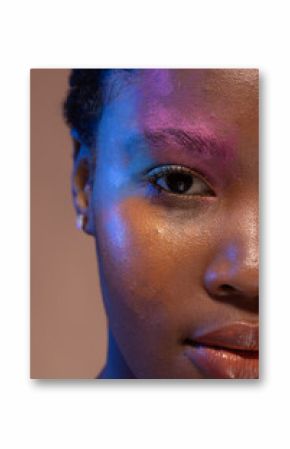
234	263
243	240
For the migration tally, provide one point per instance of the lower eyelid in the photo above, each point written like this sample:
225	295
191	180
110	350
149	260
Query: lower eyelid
184	204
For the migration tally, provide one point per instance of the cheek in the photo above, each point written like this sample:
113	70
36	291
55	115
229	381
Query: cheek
136	249
151	262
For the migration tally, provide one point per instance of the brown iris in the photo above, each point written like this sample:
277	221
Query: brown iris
178	182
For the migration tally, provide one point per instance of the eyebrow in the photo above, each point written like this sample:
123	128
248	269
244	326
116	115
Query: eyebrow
193	142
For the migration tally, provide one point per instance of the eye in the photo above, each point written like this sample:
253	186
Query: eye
179	180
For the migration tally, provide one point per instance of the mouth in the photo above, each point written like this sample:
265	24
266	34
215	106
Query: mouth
230	352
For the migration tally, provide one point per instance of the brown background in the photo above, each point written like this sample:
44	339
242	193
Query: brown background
68	324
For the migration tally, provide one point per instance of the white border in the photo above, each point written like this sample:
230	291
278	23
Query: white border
149	34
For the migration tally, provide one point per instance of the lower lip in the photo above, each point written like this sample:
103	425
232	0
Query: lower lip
217	363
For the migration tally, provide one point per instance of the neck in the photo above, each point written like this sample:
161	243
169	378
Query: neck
116	366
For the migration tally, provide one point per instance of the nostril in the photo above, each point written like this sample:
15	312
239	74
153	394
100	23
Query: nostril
226	288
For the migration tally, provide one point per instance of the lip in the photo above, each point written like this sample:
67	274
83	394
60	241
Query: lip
229	352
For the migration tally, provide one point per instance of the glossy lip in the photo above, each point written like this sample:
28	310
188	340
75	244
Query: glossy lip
229	352
240	335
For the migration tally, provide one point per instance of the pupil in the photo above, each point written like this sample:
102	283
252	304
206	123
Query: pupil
179	182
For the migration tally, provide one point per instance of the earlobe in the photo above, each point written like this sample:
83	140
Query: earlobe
80	222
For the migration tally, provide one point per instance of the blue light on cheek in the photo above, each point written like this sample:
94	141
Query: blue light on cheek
116	231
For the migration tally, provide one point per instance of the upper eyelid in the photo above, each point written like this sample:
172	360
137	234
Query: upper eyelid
169	167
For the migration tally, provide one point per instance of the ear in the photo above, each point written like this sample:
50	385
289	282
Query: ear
82	184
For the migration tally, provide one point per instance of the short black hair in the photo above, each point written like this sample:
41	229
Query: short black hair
83	105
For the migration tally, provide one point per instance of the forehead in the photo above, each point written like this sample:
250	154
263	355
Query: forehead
190	96
188	87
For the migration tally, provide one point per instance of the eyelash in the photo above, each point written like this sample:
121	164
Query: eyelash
161	171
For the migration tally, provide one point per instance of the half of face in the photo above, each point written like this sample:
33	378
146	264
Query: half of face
174	210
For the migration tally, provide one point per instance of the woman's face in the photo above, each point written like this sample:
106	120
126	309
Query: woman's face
175	213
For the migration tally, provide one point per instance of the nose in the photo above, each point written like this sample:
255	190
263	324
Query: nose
232	274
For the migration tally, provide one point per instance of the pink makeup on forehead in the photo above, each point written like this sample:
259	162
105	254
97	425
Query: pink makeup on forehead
169	130
183	144
157	81
170	135
193	142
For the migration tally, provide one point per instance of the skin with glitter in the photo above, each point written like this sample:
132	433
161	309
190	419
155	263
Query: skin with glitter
173	208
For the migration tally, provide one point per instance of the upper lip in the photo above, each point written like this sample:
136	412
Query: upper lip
239	335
